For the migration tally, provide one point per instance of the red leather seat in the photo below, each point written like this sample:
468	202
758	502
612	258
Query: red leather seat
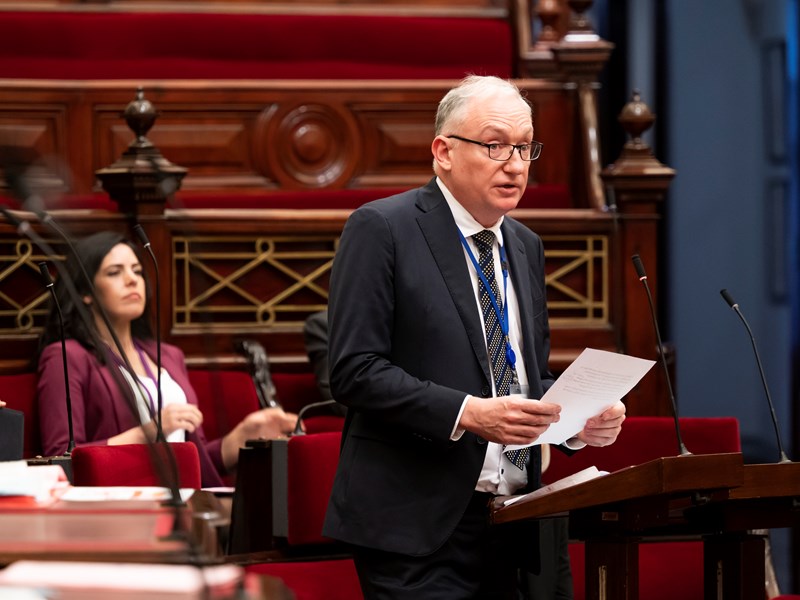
303	468
136	465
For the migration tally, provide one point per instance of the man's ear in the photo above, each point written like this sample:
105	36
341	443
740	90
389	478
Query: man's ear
441	152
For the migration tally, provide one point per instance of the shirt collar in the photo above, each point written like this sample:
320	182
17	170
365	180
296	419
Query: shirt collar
465	222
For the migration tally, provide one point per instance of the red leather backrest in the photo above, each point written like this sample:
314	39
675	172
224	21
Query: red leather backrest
311	467
646	438
224	398
135	465
296	390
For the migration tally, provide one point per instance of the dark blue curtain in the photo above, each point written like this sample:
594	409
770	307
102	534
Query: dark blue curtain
793	103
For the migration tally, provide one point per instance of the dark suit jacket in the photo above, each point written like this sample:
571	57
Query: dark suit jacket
407	346
99	409
315	334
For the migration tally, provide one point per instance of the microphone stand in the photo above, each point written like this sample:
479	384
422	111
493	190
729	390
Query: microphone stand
146	243
48	283
637	263
735	306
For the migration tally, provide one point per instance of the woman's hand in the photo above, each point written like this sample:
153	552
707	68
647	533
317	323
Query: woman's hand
180	416
266	424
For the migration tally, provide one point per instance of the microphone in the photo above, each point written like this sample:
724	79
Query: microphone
258	365
735	306
298	428
48	283
146	243
637	264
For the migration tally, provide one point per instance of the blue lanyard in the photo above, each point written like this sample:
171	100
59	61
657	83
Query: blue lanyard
502	315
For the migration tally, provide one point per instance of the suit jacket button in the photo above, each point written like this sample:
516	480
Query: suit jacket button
486	391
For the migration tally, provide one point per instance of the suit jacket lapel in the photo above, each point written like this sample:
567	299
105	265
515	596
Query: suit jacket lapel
518	265
441	234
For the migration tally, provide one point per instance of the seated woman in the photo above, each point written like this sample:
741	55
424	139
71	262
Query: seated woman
111	404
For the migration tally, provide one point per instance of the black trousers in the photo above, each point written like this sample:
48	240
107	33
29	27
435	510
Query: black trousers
478	561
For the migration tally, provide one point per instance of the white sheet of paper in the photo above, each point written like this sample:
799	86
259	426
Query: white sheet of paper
595	380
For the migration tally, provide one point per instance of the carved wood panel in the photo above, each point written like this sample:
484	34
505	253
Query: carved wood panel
261	136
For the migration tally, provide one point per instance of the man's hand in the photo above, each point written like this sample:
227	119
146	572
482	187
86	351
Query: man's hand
508	419
603	429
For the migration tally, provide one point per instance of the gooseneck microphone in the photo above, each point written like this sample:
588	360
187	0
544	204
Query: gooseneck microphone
735	306
146	243
48	283
637	264
298	427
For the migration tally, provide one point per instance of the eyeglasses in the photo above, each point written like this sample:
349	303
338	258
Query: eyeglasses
530	151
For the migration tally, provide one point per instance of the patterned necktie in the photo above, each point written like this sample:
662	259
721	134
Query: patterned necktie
502	371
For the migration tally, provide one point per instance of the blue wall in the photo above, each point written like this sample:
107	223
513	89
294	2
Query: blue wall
724	227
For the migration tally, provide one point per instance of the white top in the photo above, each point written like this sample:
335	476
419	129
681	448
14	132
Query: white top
171	393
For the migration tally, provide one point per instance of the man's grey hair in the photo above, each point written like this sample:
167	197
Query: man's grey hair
453	106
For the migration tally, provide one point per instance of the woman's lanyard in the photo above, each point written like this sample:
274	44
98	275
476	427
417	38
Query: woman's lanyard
502	315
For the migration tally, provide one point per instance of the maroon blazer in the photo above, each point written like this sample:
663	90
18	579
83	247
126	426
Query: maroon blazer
99	409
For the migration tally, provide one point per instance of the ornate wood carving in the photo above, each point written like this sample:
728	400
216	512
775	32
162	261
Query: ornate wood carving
260	136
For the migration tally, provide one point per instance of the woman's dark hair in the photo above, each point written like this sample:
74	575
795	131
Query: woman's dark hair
89	253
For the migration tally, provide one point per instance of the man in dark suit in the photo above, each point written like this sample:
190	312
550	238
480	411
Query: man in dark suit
425	343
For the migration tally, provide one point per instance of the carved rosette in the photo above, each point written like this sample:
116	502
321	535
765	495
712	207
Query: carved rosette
311	145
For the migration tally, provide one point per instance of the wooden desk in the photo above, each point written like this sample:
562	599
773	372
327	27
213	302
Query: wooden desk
111	531
615	512
734	560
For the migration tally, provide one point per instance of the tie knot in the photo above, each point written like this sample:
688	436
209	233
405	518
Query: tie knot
484	240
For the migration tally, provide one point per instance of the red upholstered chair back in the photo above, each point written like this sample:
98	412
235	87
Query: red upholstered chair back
647	438
305	476
296	390
323	423
224	398
303	468
333	579
135	465
19	392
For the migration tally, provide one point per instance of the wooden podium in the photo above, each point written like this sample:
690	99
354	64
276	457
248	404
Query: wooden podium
710	496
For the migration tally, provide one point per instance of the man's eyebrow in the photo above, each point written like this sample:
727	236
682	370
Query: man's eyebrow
491	130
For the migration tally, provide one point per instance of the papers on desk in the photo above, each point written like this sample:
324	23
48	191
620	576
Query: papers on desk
586	475
123	581
41	482
117	494
595	381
